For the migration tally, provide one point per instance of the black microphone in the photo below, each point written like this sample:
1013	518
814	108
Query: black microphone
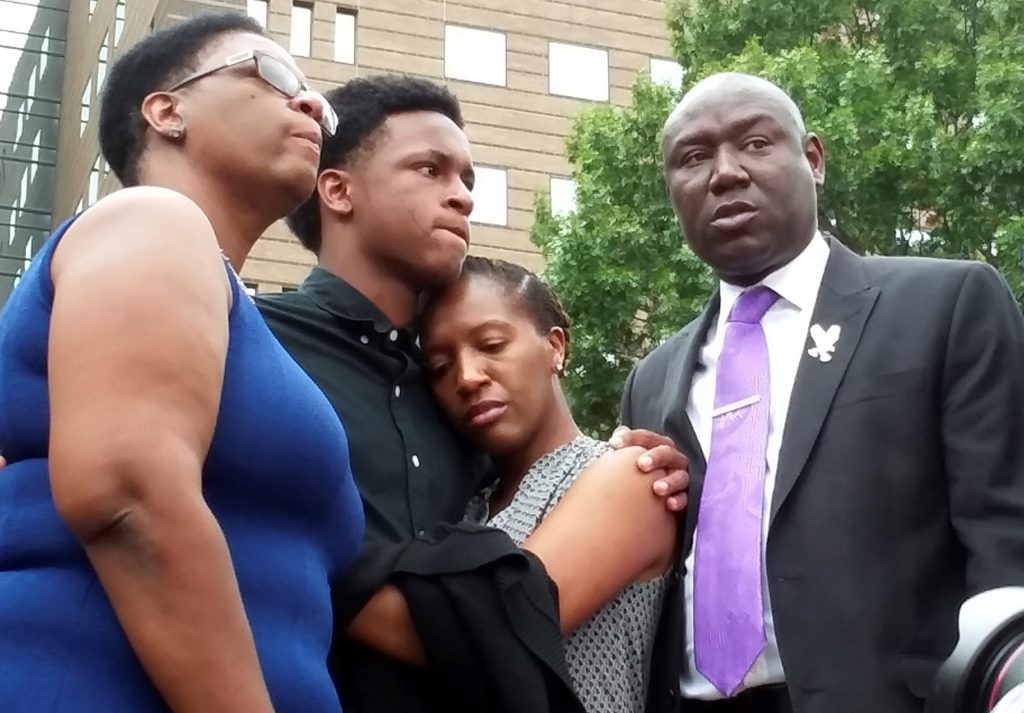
985	672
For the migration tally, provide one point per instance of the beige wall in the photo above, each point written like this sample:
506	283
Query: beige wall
520	127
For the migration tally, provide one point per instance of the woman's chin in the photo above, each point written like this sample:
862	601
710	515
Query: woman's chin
499	440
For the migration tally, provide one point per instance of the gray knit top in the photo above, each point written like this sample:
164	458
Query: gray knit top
609	655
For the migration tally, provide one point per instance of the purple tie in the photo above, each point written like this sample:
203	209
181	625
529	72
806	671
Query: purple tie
728	619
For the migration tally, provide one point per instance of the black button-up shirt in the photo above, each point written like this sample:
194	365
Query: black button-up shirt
412	470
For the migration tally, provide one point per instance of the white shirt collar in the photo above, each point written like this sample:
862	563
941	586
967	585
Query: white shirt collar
797	281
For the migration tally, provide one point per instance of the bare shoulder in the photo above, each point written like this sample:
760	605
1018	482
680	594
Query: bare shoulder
160	208
147	218
618	460
617	471
143	234
621	497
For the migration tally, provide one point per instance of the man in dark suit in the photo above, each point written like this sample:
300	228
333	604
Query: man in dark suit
855	429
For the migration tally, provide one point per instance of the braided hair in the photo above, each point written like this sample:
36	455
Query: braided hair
541	303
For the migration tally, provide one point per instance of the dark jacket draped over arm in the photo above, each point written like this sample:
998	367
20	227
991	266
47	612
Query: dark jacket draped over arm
487	616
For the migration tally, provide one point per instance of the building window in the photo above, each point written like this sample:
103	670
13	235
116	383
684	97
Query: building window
667	72
302	29
94	183
92	8
118	22
563	196
30	242
490	196
101	68
257	10
474	55
86	104
44	53
579	72
345	36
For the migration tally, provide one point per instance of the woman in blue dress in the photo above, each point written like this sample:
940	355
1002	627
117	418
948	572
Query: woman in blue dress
178	495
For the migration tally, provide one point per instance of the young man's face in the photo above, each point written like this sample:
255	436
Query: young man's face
411	193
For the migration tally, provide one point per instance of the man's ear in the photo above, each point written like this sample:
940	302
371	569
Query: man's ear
334	186
814	150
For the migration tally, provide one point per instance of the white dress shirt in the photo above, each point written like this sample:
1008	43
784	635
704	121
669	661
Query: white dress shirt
785	328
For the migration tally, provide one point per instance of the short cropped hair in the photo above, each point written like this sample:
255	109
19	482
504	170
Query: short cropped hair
152	64
363	105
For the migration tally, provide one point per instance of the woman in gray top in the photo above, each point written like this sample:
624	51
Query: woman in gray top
496	344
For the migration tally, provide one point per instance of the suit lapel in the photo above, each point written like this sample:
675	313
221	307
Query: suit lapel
679	380
845	299
678	384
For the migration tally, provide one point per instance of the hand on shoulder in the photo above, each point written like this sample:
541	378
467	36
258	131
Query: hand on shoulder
662	460
616	492
608	531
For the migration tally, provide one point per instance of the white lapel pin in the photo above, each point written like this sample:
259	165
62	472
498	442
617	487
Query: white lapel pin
824	342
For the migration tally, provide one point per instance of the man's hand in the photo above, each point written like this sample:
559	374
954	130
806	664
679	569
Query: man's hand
661	453
2	462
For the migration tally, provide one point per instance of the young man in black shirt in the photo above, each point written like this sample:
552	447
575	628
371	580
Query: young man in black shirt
389	222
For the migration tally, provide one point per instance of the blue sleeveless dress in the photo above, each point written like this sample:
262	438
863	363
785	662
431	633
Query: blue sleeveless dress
277	478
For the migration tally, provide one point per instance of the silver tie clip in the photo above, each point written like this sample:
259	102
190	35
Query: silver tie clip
735	405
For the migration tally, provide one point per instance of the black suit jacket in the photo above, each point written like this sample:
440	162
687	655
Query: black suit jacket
900	484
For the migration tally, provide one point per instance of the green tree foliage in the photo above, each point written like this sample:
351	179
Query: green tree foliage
920	104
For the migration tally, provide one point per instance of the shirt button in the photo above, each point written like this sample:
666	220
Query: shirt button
364	339
398	391
393	336
416	461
